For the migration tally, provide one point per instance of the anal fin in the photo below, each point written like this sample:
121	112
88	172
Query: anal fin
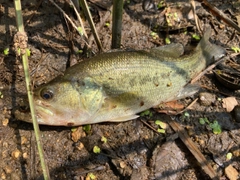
124	118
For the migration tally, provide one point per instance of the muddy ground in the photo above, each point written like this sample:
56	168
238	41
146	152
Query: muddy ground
132	150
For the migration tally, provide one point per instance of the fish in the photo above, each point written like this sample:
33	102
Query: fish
116	86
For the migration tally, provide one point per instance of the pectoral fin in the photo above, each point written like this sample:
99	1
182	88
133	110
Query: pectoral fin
91	94
187	91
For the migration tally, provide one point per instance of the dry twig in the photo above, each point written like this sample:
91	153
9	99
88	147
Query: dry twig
221	15
208	169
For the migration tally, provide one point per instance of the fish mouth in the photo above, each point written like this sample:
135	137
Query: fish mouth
42	111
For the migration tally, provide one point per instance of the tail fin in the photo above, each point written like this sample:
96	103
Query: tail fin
210	51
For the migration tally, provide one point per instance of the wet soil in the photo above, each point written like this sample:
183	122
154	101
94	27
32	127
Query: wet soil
132	150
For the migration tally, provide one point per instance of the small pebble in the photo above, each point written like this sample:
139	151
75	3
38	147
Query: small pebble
190	131
4	154
206	99
201	142
80	146
77	134
3	176
236	112
8	169
236	152
24	140
5	122
148	5
15	176
16	154
25	155
122	164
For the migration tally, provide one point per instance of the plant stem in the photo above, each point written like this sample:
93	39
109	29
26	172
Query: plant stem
117	23
20	27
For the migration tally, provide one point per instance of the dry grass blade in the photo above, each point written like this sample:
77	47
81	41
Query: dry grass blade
73	24
192	2
79	19
91	23
100	25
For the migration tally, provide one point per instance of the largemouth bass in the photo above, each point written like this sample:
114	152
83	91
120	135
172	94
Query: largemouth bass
115	86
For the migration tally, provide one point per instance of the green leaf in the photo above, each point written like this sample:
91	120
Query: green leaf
167	40
163	125
80	51
202	121
160	4
206	120
161	131
91	176
28	52
6	51
146	113
235	49
18	51
154	35
96	149
103	139
229	156
107	24
186	114
175	16
87	128
80	30
195	36
214	124
216	128
73	129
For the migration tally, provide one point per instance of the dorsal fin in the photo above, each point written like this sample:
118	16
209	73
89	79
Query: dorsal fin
172	50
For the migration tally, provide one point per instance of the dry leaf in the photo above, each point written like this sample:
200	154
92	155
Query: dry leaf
229	103
172	107
77	134
231	172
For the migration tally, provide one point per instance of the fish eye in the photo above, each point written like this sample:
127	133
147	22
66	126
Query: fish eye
46	94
